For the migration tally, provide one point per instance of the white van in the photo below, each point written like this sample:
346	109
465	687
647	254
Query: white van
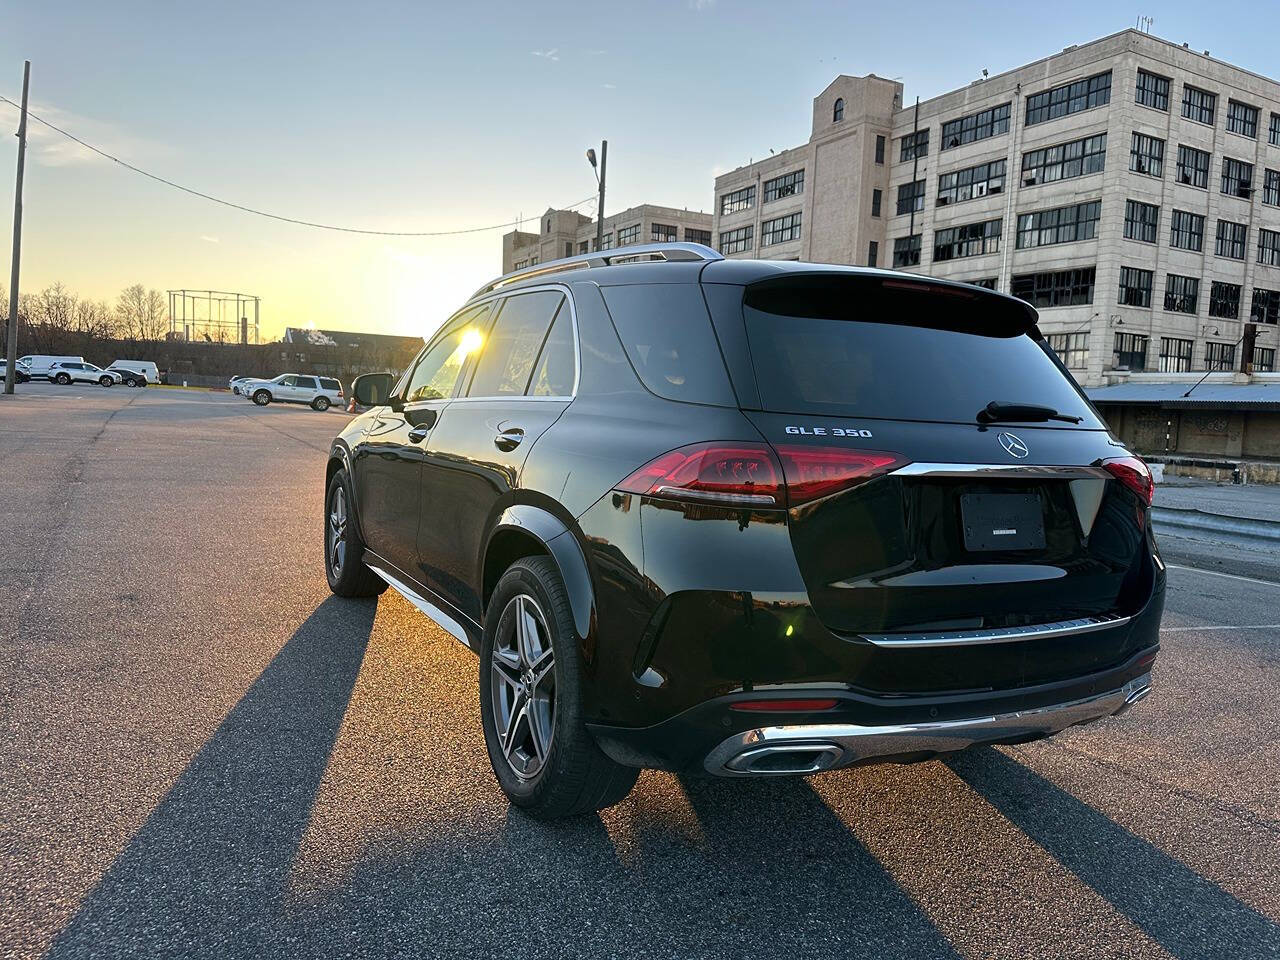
37	365
144	367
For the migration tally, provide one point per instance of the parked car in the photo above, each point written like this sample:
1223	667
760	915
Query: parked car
131	378
750	519
145	368
235	382
38	364
79	372
319	393
20	374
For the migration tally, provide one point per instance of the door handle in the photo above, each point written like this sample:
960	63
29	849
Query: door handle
509	439
418	434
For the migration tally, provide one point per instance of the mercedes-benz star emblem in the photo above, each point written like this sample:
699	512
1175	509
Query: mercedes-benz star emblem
1013	445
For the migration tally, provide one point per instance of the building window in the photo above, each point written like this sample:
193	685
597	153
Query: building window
606	242
1175	355
876	196
1273	132
969	240
1072	349
1224	300
971	182
1135	287
1219	356
1056	288
787	185
1146	155
1242	119
1232	239
1186	231
1271	187
1237	178
1065	161
1193	167
915	145
737	241
873	253
548	229
1069	98
1130	352
988	283
583	246
1198	105
629	235
518	265
743	199
976	126
662	233
1181	294
694	235
880	147
837	112
1141	221
906	251
1059	225
1266	306
1269	248
1264	359
911	196
1153	90
781	230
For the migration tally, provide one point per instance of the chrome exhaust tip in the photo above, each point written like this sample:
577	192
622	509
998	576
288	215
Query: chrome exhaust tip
786	759
1135	691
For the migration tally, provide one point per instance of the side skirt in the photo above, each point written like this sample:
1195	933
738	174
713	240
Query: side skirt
445	621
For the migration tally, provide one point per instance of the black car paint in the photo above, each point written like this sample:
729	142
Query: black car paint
682	609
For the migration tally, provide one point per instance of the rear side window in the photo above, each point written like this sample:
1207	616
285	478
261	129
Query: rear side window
668	338
513	344
914	359
556	367
307	383
328	384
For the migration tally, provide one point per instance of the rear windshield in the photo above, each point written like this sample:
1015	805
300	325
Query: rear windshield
837	356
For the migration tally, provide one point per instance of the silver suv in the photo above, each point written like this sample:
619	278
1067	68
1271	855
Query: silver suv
320	393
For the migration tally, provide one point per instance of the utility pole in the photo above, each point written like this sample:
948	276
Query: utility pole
591	159
10	371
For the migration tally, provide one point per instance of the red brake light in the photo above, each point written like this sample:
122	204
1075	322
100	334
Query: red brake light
1134	474
785	706
745	474
815	472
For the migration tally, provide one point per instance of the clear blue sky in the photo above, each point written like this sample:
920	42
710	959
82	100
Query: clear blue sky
441	116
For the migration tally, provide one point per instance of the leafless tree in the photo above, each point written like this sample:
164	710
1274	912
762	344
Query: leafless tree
141	314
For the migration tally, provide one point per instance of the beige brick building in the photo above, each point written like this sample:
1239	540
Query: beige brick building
565	233
1128	187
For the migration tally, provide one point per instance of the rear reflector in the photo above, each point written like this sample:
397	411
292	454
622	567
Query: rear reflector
785	706
1134	474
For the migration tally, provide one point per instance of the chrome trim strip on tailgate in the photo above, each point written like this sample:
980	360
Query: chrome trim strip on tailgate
960	638
997	470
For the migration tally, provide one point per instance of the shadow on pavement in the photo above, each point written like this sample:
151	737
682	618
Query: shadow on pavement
204	874
1185	913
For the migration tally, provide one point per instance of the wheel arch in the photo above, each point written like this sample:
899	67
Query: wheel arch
340	458
524	530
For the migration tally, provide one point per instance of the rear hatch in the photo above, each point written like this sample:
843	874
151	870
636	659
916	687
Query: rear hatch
942	522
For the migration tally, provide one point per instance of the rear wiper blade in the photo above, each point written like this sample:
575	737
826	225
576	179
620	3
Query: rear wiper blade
1003	411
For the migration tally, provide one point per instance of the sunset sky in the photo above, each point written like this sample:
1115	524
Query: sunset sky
422	116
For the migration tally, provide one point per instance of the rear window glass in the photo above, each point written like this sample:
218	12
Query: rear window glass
841	365
668	338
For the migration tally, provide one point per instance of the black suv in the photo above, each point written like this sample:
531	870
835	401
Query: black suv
749	518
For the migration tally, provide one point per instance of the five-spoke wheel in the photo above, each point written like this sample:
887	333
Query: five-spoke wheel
336	541
524	686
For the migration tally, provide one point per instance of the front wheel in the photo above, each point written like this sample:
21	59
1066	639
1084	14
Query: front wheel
531	700
106	381
62	378
262	398
320	403
343	549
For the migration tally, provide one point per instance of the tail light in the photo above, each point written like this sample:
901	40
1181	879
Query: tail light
751	474
785	706
1134	474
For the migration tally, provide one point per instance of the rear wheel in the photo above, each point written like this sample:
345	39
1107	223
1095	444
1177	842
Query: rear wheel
262	398
531	700
320	403
343	549
62	378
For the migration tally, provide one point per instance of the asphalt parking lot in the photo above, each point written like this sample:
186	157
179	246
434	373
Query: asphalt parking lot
203	753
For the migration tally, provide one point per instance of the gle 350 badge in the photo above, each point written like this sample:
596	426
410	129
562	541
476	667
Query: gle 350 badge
829	431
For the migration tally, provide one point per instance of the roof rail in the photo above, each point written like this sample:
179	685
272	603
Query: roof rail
602	258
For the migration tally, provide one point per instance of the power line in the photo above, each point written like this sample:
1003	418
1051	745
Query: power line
276	216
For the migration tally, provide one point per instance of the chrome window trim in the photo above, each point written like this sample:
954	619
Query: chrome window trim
997	469
964	638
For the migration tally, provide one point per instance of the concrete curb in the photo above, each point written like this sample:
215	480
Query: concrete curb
1189	521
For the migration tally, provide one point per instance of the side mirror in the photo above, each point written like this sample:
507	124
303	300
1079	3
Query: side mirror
372	389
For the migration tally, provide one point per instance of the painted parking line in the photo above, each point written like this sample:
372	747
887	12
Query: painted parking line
1228	576
1224	626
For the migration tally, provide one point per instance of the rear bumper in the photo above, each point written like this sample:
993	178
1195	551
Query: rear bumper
810	748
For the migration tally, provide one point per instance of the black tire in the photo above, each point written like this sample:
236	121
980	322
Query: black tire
262	398
320	403
107	381
62	379
346	572
576	777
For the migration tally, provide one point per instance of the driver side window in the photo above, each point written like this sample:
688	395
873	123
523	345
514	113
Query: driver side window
436	374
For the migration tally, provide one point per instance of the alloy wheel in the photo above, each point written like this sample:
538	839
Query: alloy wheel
337	533
524	686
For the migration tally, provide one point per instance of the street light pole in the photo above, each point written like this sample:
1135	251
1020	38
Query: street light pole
10	371
591	159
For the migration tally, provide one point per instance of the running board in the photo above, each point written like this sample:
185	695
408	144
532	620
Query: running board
446	623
